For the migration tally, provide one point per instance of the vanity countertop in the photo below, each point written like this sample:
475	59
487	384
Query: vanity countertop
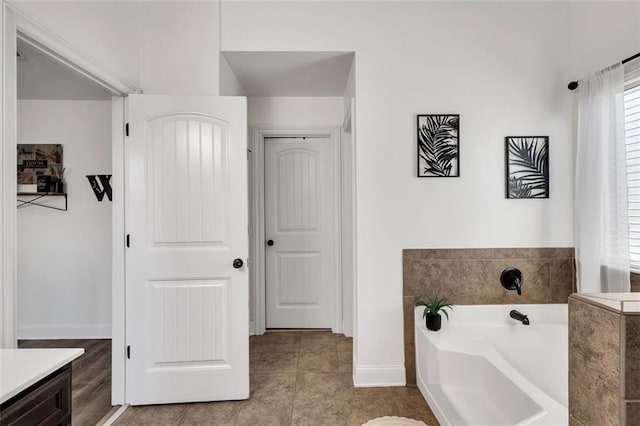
21	368
628	303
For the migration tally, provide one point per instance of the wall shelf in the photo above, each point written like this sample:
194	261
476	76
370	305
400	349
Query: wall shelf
38	197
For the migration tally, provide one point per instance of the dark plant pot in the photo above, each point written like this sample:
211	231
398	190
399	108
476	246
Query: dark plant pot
434	322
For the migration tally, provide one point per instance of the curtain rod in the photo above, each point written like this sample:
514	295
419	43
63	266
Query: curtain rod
574	84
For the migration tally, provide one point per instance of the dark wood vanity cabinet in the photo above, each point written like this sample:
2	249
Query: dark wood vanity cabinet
45	403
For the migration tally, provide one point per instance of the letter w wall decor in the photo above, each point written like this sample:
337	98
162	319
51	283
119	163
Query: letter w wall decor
104	187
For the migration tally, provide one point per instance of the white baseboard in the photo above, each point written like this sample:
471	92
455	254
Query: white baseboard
64	331
252	328
379	375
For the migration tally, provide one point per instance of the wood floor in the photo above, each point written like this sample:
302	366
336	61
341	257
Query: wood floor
91	381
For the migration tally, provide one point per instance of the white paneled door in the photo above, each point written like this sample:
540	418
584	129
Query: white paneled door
186	275
299	227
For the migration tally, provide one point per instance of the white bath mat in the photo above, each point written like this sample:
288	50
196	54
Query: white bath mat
394	421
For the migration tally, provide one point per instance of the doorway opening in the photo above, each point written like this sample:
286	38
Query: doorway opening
63	230
302	175
62	107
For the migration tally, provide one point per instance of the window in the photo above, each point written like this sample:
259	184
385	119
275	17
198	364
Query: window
632	140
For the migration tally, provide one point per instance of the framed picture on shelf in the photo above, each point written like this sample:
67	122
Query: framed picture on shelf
527	166
439	145
39	167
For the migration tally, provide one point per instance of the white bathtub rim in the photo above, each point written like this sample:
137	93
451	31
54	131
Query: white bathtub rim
537	313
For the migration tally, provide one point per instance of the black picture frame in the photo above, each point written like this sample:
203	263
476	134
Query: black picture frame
438	143
35	160
526	167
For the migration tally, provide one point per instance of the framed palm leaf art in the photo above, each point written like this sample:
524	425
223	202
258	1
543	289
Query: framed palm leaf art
527	166
439	145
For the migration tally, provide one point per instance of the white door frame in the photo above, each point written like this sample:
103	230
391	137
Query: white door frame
257	234
15	24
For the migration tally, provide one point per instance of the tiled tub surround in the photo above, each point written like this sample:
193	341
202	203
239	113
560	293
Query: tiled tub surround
635	282
604	359
472	276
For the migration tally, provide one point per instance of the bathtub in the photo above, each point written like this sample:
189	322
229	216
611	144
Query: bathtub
485	368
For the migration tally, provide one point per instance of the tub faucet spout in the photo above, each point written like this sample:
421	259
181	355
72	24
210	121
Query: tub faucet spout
519	316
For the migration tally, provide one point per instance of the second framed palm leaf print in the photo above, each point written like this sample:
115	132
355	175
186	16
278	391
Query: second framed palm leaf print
527	166
439	145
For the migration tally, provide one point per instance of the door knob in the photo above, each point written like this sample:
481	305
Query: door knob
237	263
270	242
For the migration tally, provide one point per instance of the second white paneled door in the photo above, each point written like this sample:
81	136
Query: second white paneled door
300	232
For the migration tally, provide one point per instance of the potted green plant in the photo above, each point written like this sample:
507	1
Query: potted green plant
432	308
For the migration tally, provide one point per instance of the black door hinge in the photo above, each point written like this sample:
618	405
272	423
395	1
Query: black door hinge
128	241
128	352
126	129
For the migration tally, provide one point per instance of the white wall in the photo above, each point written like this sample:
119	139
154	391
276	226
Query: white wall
295	113
503	66
348	169
601	34
347	245
229	83
40	77
64	258
163	47
108	31
179	47
7	180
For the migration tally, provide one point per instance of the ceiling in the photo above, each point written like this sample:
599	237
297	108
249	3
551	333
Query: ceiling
271	74
40	77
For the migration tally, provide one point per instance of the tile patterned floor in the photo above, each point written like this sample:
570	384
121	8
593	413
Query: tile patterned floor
297	378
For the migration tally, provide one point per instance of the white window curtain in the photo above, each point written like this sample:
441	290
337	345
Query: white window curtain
600	205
